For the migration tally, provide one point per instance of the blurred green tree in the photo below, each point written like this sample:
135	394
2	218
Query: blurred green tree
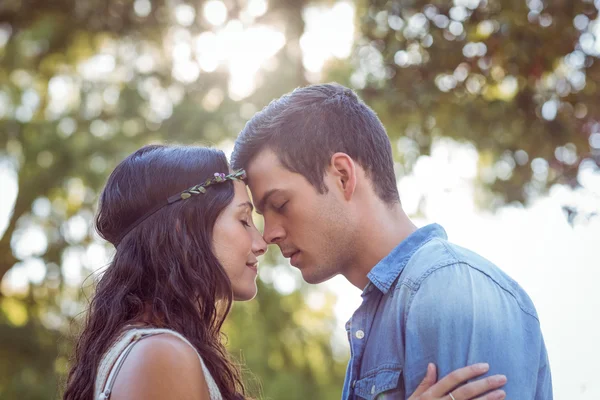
517	78
84	83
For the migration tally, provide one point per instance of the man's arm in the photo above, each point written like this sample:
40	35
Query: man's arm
460	316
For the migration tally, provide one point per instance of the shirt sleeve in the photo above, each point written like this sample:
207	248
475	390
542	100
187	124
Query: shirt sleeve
460	316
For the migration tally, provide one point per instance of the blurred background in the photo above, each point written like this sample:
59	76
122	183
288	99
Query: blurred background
492	107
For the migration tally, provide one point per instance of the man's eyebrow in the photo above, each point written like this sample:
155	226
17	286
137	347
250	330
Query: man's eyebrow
247	204
261	204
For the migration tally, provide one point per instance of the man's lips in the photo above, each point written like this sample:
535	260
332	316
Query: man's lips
294	259
293	256
289	253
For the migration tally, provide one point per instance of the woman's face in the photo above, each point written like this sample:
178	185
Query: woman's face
237	244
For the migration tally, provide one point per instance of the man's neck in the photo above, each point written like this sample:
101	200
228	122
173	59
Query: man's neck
382	229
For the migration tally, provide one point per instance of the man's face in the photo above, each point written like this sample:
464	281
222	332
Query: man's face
310	228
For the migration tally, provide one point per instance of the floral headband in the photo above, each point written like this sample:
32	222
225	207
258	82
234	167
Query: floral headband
218	177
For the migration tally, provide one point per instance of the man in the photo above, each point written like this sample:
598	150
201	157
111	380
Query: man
320	170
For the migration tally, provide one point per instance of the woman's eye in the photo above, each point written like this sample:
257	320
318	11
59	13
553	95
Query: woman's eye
281	207
245	223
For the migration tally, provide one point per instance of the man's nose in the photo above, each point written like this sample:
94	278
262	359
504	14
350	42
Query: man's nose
274	233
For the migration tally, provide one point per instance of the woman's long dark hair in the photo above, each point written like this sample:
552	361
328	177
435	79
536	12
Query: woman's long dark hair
164	270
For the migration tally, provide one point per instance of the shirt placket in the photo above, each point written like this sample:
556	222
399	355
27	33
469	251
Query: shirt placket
357	329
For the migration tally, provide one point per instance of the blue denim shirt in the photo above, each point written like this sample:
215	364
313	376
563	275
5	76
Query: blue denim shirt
432	301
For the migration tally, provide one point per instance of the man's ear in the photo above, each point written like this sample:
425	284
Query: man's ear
343	169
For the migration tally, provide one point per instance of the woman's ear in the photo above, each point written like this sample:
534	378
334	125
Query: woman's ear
343	169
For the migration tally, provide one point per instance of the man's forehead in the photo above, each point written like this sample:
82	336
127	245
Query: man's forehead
262	186
265	161
265	172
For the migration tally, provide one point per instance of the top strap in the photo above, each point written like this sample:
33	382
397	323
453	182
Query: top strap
140	334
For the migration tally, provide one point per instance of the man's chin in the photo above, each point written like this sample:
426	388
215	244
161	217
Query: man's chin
313	276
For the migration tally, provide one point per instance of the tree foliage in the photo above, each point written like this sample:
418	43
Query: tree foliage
518	79
82	84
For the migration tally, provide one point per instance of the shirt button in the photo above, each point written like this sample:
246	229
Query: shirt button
373	390
360	334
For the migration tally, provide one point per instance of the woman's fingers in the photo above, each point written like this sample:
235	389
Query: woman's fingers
480	386
458	377
426	383
495	395
430	390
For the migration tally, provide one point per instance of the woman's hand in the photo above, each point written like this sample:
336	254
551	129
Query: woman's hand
428	389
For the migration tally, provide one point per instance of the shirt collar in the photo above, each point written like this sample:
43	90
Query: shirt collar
386	271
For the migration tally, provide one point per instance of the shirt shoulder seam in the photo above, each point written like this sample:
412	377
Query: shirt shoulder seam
396	280
415	285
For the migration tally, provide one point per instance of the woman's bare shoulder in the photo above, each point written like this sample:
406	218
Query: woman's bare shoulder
158	367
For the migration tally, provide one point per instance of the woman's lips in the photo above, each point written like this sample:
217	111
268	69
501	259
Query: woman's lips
253	267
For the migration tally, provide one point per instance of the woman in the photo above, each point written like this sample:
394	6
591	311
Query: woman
186	247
